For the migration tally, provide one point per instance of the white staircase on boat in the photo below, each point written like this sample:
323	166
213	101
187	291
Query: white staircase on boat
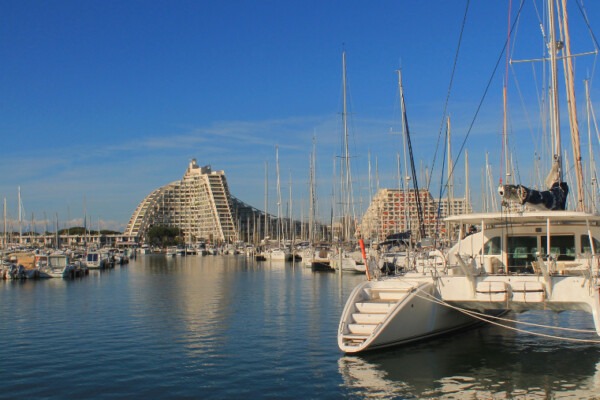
371	312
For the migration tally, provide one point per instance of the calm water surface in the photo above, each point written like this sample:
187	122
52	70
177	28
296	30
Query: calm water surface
227	327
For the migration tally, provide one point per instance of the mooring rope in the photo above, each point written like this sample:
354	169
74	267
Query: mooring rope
513	320
488	319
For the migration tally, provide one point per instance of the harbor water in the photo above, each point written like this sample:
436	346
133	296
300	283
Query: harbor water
228	327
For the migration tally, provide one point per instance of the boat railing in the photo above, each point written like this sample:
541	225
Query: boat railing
423	261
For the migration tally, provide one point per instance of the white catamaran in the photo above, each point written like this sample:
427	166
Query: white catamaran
541	257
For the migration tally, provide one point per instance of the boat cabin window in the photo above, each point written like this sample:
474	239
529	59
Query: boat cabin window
562	247
521	252
585	244
492	246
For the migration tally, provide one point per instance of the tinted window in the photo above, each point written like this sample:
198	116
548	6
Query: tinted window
561	247
492	246
521	250
585	244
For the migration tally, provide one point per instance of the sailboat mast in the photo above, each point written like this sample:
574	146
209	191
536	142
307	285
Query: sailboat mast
57	234
345	173
267	225
412	161
574	124
20	215
467	194
5	237
291	228
279	228
400	219
311	209
553	47
505	107
593	179
450	171
507	173
407	177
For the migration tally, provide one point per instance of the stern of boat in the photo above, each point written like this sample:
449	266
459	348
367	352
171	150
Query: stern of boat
370	308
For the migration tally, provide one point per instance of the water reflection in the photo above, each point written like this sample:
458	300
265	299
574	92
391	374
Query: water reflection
230	305
484	363
184	298
229	327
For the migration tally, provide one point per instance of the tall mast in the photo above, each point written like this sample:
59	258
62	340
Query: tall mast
593	178
57	235
407	177
487	183
311	188
450	171
5	237
574	124
345	173
412	163
290	212
400	218
279	227
20	214
504	105
267	225
507	173
333	197
553	47
467	194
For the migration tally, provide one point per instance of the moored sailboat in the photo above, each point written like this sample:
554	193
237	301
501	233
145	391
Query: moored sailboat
543	257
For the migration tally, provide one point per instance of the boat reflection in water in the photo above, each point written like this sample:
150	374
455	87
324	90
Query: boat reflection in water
491	362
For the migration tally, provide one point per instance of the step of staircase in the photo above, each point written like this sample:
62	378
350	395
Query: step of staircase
375	306
390	293
361	329
368	318
354	339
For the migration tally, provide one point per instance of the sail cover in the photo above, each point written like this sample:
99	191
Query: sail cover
554	198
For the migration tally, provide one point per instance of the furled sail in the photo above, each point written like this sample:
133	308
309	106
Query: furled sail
555	198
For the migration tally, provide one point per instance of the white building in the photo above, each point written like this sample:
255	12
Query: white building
199	204
395	210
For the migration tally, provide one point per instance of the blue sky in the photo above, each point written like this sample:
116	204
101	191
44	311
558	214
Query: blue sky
104	101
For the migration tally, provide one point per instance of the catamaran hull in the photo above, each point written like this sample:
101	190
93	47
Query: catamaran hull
405	309
387	313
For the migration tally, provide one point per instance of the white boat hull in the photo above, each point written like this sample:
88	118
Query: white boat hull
415	306
348	264
393	312
279	255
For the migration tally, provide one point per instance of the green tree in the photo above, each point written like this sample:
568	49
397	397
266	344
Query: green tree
160	235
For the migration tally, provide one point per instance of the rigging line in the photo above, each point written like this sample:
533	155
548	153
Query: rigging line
439	207
485	92
517	170
504	151
414	174
559	328
462	29
489	321
593	115
522	100
587	22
